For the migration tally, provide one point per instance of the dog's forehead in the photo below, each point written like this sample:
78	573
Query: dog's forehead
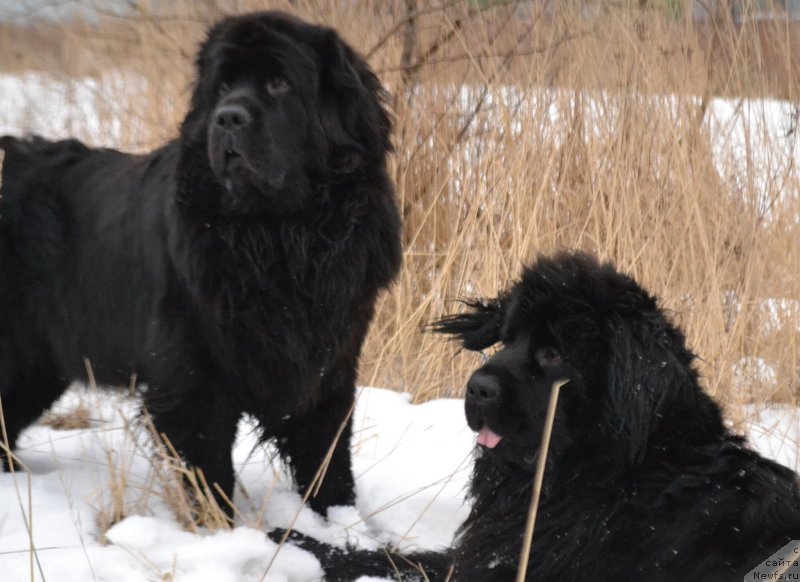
553	295
263	44
571	291
527	313
530	300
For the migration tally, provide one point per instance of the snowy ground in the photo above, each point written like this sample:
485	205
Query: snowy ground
410	462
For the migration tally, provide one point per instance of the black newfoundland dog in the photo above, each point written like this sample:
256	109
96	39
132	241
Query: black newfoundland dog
643	480
234	270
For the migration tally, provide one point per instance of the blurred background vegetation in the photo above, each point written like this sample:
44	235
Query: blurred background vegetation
660	134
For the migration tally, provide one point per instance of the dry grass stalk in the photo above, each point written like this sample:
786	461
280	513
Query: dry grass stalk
74	419
313	489
538	478
12	466
185	490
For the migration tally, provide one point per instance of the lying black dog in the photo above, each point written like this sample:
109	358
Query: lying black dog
643	480
234	270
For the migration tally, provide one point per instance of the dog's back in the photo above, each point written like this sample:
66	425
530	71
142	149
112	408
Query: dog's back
31	216
76	238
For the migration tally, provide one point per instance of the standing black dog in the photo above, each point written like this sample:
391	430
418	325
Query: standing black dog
643	480
235	270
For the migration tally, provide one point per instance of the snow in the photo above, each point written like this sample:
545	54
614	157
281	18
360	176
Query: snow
774	430
103	111
411	464
750	371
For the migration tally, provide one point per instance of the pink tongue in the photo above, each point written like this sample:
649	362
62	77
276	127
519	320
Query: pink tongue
487	438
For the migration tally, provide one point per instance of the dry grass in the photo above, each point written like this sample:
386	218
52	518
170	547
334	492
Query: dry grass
519	132
75	419
185	491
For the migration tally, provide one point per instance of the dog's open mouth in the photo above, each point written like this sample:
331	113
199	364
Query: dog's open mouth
234	167
488	438
231	156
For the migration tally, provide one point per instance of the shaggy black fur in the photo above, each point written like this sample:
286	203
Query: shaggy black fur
643	480
235	270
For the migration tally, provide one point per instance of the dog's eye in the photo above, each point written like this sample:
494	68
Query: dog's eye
276	86
547	357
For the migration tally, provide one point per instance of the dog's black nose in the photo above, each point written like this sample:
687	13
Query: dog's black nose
232	117
483	388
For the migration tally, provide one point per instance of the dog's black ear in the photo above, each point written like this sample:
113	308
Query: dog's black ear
354	111
649	374
477	328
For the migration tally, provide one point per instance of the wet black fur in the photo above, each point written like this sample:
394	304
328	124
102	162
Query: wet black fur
248	288
643	480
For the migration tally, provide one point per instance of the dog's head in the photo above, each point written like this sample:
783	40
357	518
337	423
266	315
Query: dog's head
572	318
281	106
